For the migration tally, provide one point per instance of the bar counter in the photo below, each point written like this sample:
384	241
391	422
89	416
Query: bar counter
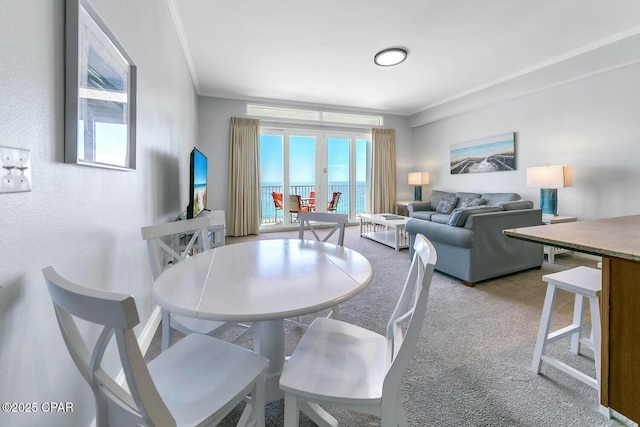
617	240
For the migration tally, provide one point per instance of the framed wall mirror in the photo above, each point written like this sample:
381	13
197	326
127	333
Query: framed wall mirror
100	104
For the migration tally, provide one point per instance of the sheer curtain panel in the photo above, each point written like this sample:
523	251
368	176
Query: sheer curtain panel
243	205
383	170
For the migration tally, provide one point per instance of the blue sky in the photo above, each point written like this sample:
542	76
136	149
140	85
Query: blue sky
302	159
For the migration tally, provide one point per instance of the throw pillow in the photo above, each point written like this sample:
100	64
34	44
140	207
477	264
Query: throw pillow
469	203
459	216
447	205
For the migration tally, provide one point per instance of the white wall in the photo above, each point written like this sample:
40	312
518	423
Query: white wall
83	221
214	117
591	124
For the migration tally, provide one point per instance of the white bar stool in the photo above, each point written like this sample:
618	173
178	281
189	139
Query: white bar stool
583	282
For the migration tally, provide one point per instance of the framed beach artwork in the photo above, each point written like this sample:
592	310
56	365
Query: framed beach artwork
100	93
490	154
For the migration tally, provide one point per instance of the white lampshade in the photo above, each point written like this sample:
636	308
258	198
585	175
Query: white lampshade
418	178
550	177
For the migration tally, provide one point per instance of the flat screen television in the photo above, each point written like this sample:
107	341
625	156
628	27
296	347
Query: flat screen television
197	184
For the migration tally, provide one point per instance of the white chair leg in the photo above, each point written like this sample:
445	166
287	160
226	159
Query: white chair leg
317	414
291	410
401	415
166	330
543	330
578	309
335	313
258	402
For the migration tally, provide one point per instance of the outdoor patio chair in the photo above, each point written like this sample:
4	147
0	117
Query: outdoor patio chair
277	201
333	203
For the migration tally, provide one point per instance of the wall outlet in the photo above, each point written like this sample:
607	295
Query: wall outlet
16	170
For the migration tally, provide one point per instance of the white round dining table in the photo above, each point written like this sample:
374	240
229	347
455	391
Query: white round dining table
263	281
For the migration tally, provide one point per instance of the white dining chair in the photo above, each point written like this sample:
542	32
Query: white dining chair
323	226
163	241
196	382
343	365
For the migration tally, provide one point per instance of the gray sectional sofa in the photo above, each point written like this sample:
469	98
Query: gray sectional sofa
466	230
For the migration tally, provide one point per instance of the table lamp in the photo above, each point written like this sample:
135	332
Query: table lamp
549	179
418	179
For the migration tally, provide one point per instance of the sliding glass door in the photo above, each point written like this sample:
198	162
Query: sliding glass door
301	170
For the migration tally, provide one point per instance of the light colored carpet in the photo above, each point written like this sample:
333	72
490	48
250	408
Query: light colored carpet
472	365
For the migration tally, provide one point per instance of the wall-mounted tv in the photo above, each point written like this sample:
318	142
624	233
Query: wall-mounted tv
197	184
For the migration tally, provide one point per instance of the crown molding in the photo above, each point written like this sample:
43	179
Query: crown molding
617	51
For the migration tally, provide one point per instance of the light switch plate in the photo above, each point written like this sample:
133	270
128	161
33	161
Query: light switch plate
16	170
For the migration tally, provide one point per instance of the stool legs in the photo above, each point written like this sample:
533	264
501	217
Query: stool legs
574	330
543	331
578	309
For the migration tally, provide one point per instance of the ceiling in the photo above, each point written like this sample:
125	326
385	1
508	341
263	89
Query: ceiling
322	52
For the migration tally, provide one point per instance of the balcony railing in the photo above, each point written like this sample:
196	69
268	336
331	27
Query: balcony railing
269	211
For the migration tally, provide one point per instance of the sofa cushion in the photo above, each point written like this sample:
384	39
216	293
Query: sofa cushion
425	215
459	216
463	196
447	204
435	197
471	202
516	205
495	198
439	218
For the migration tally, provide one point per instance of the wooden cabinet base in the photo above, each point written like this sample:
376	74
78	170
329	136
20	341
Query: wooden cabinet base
620	302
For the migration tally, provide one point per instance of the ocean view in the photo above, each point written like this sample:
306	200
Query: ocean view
304	190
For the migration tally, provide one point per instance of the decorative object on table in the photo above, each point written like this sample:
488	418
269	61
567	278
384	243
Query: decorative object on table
418	179
100	98
198	381
491	154
368	376
549	179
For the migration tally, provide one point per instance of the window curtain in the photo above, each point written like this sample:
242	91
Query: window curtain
243	205
383	170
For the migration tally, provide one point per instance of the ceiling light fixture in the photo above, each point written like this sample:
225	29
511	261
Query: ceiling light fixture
390	57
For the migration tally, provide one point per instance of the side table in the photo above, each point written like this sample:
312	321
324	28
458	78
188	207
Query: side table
552	251
401	207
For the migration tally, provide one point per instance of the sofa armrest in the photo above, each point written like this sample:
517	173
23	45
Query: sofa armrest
441	233
418	206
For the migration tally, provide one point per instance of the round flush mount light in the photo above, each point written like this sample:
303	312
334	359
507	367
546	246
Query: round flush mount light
390	57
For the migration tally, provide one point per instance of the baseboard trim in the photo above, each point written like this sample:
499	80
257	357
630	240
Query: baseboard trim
144	341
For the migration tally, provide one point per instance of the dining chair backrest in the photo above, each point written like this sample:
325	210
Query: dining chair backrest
117	314
333	203
313	221
312	201
277	200
295	204
162	254
405	324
